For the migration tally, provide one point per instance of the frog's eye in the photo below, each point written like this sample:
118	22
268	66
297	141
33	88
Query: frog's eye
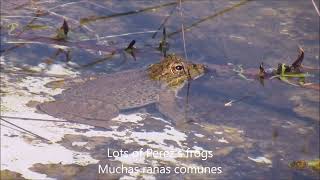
179	67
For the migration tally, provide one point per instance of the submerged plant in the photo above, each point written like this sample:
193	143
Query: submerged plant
62	32
164	45
131	49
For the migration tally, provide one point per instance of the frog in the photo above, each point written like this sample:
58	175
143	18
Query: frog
95	101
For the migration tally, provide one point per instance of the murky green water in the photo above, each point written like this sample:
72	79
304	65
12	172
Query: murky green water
277	122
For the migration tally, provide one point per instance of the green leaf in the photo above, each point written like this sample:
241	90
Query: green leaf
284	79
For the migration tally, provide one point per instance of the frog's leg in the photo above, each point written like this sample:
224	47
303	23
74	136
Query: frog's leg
170	108
81	110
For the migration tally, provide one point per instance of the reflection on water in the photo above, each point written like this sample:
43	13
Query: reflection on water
259	136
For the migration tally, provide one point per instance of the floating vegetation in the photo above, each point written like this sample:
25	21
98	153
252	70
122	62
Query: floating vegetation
96	18
12	27
25	130
131	49
304	164
99	60
52	48
37	26
162	25
243	2
285	72
164	45
62	32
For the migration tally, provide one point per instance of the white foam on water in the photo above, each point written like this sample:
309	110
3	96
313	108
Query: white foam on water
222	140
261	159
79	143
199	135
18	155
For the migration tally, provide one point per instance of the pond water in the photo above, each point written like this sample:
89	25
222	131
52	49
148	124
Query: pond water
268	126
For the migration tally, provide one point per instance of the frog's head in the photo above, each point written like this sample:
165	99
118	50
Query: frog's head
174	71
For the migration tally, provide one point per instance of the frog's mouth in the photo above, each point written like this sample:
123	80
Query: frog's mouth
198	76
196	71
184	75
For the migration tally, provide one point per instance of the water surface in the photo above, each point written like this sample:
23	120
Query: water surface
256	138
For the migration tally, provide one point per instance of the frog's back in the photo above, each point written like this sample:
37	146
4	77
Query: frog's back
128	89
